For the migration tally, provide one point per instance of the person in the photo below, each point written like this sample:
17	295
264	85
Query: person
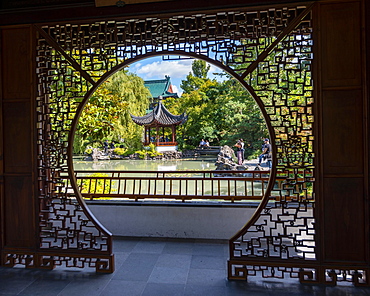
262	156
239	152
106	146
267	153
111	145
206	144
202	143
242	149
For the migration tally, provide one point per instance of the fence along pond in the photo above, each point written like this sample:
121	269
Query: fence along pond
170	185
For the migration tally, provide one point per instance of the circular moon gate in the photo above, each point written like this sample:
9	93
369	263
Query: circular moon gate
268	51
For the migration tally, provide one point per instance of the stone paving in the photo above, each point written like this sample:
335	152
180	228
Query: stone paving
158	267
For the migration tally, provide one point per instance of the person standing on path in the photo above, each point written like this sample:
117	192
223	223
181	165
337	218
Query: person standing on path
239	152
261	157
242	149
267	153
106	146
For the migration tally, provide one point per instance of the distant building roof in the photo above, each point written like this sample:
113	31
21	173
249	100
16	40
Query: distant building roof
160	116
161	87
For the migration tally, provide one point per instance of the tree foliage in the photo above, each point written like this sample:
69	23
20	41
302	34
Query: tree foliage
107	113
221	112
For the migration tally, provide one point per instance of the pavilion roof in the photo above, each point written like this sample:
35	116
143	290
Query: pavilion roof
160	116
160	87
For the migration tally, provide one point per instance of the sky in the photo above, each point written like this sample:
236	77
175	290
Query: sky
177	69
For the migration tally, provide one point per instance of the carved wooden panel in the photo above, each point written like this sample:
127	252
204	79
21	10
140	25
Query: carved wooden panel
341	37
20	227
343	211
343	128
268	51
16	53
344	221
17	200
1	170
17	132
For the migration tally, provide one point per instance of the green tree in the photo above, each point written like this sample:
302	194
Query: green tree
195	101
221	112
107	113
196	78
240	117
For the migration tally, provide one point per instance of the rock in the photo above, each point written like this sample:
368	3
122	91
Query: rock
241	168
172	155
225	162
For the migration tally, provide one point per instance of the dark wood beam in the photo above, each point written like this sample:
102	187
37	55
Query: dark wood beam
101	3
73	12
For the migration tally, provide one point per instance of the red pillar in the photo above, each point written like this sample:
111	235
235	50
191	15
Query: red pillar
157	135
173	133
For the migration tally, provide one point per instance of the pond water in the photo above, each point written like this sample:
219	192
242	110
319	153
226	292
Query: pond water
144	165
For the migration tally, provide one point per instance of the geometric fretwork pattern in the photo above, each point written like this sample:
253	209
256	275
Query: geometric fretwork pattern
269	51
283	231
310	275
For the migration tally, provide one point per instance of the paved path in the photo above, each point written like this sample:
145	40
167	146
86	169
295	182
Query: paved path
159	267
253	163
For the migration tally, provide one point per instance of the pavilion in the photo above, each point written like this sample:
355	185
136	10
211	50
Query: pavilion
159	119
159	88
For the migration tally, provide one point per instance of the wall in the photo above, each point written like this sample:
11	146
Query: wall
171	221
17	202
199	222
343	202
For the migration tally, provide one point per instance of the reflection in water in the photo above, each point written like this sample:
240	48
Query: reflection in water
144	165
167	167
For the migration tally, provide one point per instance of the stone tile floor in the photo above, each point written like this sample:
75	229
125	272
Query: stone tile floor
158	267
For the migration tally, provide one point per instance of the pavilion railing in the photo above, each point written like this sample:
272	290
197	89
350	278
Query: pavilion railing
170	185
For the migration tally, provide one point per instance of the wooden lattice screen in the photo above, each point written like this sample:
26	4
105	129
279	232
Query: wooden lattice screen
269	51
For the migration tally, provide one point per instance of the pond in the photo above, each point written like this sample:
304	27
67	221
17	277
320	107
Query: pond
144	165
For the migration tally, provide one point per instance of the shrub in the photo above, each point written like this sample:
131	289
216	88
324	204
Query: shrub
154	153
152	147
141	154
129	152
120	151
88	151
149	152
97	185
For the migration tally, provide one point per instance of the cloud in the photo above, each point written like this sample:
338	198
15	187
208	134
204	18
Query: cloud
158	69
175	89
